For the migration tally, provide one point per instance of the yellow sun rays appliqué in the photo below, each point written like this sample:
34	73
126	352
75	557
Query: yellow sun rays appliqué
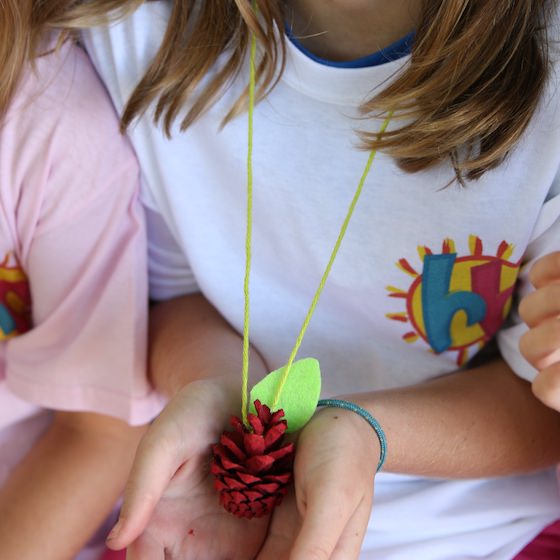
456	303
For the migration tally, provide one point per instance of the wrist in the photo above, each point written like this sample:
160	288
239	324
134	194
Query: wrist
361	425
224	391
223	370
216	400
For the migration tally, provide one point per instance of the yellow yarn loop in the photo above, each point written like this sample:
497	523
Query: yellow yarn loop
315	300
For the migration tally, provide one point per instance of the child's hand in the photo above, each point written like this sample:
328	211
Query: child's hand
541	344
327	515
171	508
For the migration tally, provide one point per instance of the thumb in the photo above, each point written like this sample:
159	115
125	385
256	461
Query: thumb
155	464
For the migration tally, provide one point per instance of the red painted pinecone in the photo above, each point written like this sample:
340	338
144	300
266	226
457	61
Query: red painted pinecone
251	465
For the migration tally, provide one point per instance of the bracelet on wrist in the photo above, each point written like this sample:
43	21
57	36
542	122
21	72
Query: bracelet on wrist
346	405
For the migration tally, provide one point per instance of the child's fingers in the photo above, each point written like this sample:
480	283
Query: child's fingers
542	304
545	270
328	511
546	386
283	527
350	542
540	346
153	468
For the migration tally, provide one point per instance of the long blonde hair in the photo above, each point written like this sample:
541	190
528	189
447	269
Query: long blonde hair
24	24
474	80
15	17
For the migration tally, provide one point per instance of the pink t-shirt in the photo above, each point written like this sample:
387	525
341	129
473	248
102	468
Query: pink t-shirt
73	296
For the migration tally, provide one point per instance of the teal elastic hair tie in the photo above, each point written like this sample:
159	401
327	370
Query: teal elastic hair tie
338	403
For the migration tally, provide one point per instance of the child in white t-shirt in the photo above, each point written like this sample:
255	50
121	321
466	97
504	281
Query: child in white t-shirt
424	277
73	390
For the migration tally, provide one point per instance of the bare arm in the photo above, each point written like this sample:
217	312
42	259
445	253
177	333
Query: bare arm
477	423
63	489
190	341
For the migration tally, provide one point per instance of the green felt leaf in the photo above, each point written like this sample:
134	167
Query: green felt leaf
300	393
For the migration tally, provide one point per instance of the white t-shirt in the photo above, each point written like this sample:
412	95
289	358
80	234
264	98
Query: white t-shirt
422	282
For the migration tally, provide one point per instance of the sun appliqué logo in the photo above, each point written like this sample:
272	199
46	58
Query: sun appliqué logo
15	299
457	303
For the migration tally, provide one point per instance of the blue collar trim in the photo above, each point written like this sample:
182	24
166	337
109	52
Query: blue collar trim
394	51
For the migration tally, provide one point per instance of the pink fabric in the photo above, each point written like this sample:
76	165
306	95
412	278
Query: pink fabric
72	240
112	555
73	286
546	546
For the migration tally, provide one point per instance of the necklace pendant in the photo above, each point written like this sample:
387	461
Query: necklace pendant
252	466
295	388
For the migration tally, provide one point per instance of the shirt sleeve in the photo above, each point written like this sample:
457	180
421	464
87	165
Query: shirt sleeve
86	262
545	239
110	48
169	271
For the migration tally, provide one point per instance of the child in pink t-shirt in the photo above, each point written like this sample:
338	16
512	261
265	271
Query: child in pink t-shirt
72	312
